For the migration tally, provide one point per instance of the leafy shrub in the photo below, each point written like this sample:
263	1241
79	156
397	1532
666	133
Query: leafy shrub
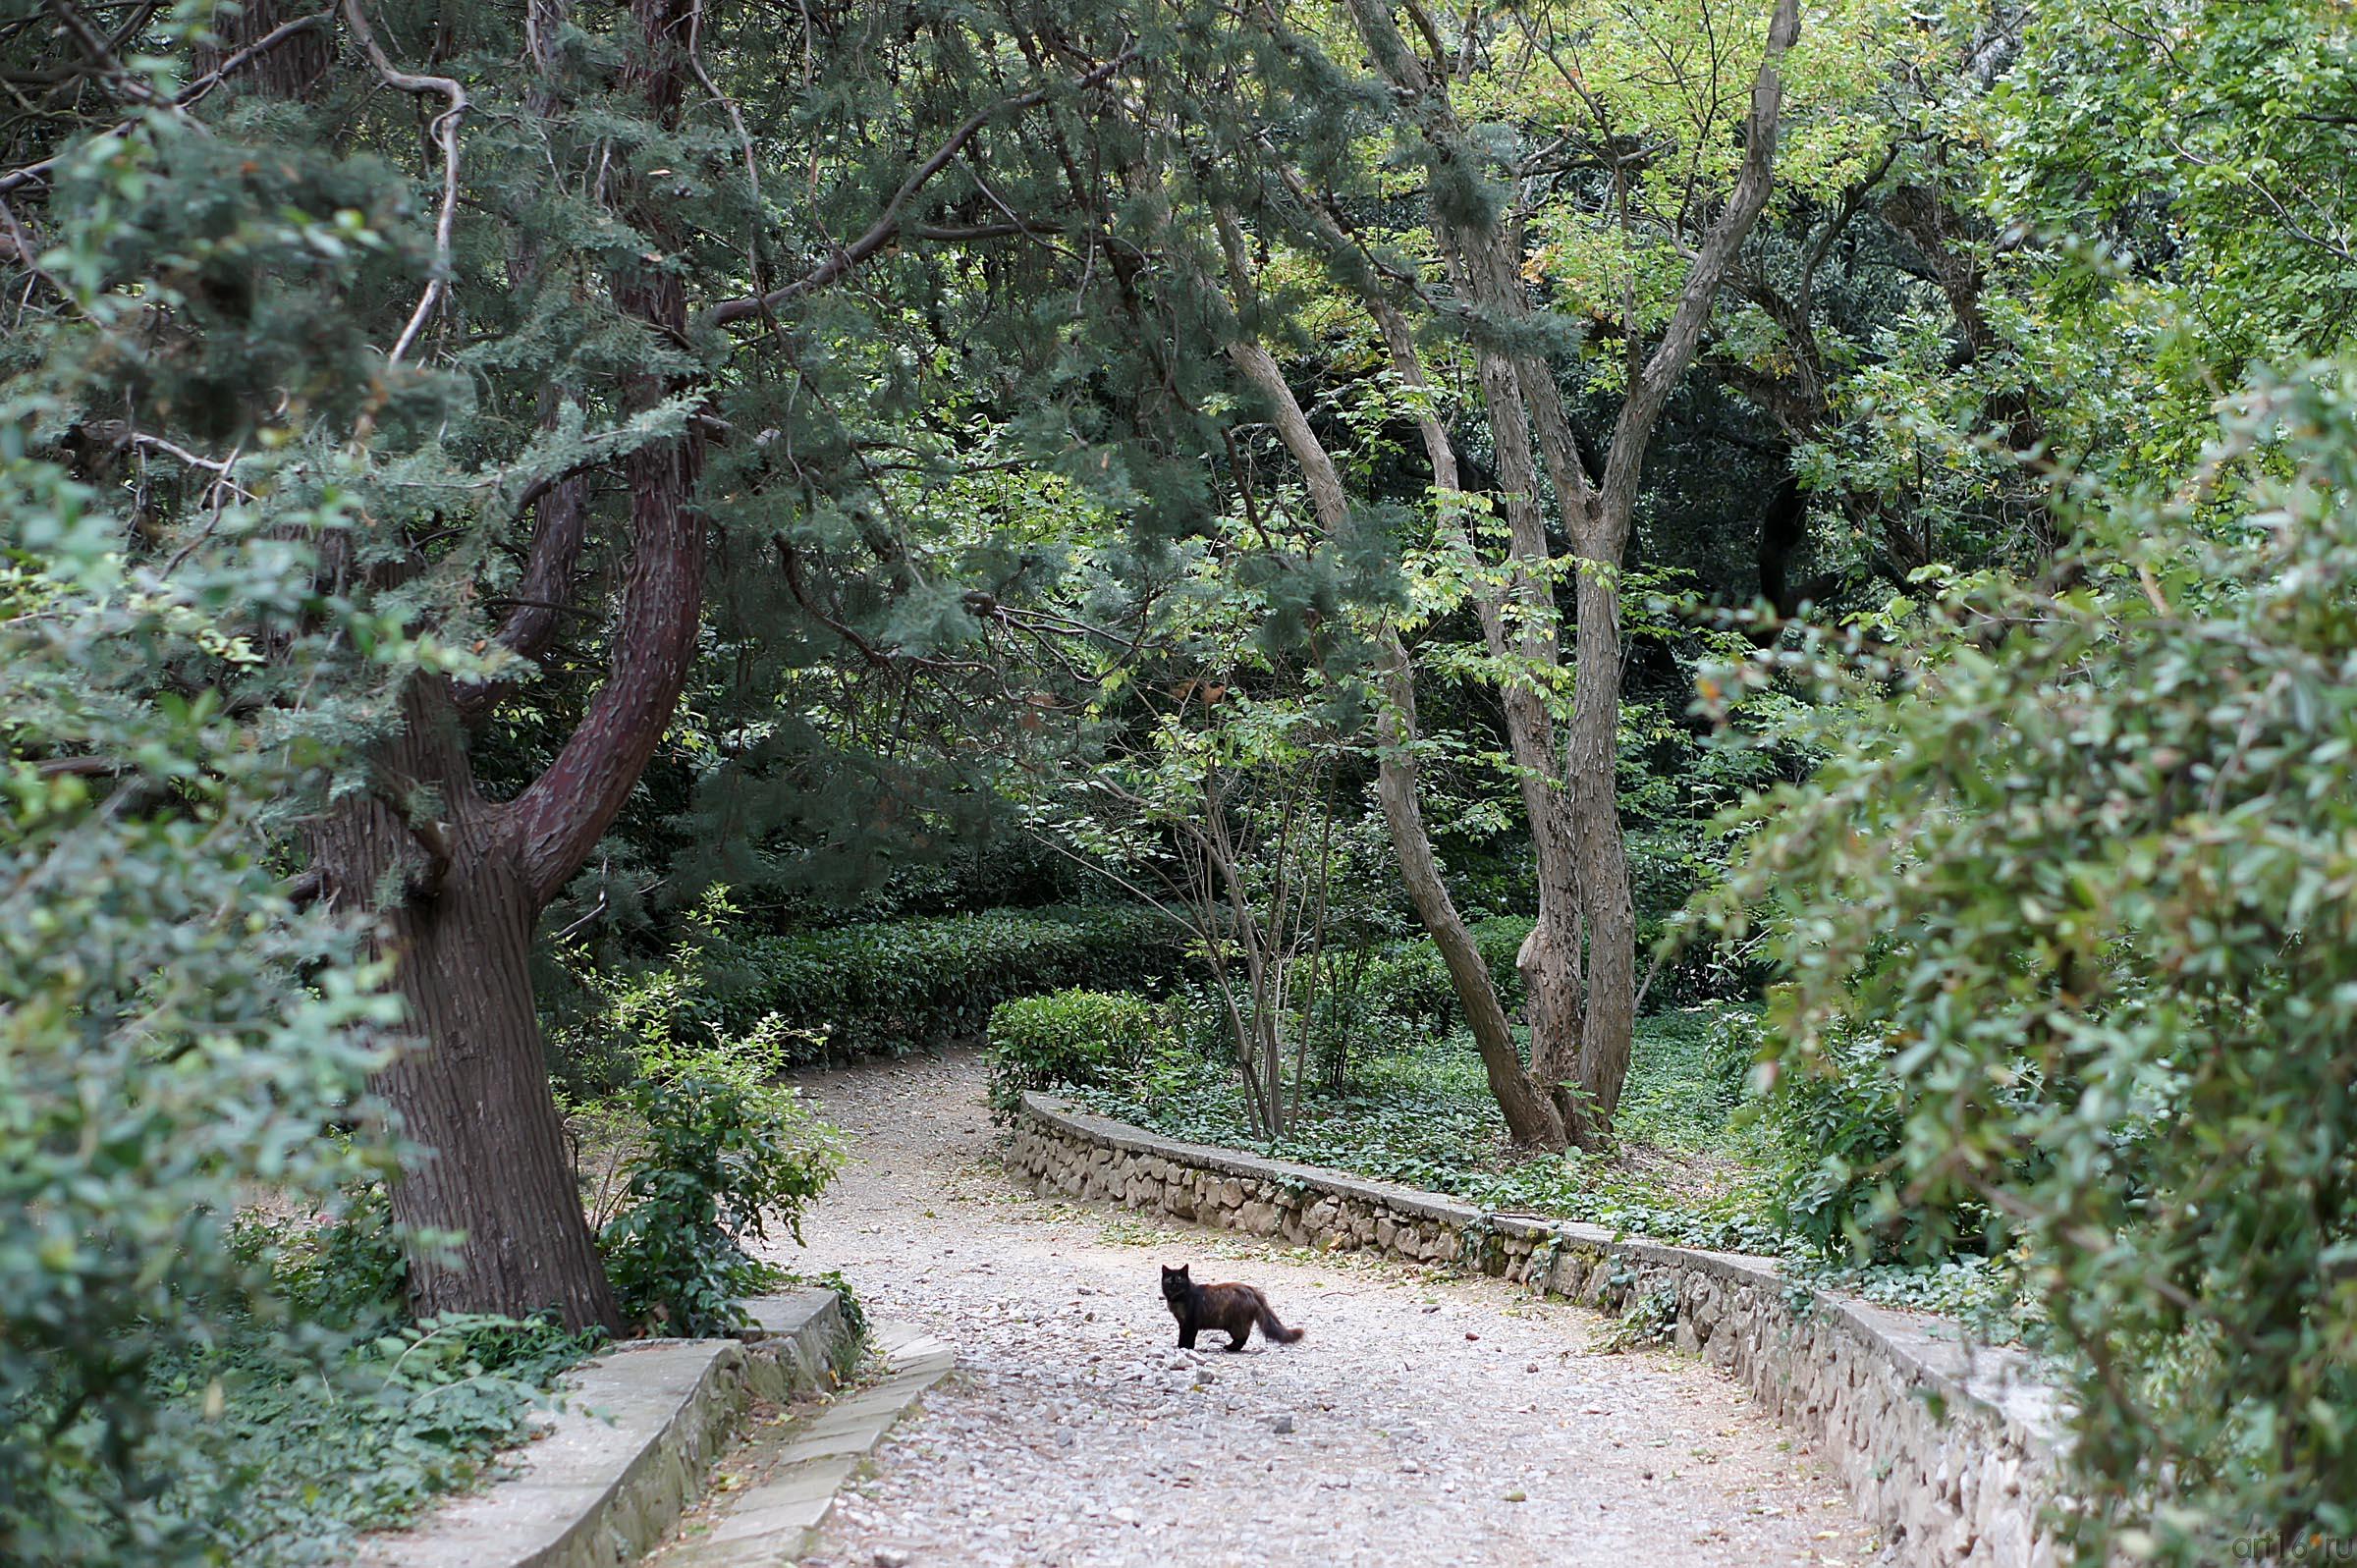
2069	920
910	983
1500	939
1066	1039
348	1273
1840	1132
1409	983
882	987
726	1154
1420	1113
173	1029
302	1453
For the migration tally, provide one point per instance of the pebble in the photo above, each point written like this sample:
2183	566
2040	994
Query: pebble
1281	1424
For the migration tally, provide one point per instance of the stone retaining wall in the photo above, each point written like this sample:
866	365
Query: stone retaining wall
1946	1447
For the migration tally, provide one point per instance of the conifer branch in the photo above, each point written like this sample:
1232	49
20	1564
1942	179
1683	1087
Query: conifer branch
445	131
38	171
556	822
887	226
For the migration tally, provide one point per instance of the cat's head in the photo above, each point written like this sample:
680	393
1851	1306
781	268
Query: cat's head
1175	1282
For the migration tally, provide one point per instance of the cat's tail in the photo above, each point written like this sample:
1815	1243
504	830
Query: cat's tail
1274	1330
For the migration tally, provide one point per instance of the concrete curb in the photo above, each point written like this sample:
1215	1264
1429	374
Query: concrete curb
1950	1447
806	1464
640	1426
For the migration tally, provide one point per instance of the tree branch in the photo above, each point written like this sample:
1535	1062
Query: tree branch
556	822
1624	463
887	224
35	173
445	131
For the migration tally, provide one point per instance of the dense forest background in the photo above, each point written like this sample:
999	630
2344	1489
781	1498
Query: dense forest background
1767	585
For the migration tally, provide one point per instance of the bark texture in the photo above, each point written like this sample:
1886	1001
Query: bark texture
457	921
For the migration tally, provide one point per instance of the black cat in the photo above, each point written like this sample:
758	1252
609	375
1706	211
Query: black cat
1230	1309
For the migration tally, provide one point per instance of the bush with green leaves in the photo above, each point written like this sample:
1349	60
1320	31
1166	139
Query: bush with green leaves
309	1447
175	1030
1066	1039
1418	1111
2070	919
726	1154
1408	983
883	987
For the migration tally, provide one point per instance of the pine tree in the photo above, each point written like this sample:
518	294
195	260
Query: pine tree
532	301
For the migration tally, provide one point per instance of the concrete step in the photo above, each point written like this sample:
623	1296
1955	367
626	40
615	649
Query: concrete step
808	1461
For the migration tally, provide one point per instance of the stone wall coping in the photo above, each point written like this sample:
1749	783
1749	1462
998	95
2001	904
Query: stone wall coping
1933	1354
613	1469
791	1316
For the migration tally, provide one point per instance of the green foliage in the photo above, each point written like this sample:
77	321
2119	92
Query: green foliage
1066	1039
2182	174
1409	983
304	1452
1647	1320
174	1032
2070	919
1418	1111
900	985
724	1155
893	986
347	1273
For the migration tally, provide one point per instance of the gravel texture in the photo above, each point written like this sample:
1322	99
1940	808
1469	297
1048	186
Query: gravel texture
1424	1420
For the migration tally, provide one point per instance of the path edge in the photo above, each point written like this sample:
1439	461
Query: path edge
632	1445
1950	1449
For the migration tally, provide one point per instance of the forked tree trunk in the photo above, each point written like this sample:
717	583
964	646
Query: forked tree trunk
457	882
1579	965
493	1202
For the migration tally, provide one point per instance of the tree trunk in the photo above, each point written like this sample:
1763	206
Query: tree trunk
1592	766
1550	960
473	1089
289	69
479	1096
1531	1117
1581	962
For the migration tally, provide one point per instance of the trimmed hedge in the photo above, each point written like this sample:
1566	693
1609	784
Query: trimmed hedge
1409	982
906	984
1065	1038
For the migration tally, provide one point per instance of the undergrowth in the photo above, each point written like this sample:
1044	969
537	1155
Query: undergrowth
328	1414
1695	1165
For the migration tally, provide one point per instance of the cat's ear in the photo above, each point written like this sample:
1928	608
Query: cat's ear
1182	1269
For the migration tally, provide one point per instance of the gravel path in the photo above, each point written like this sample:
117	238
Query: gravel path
1425	1419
